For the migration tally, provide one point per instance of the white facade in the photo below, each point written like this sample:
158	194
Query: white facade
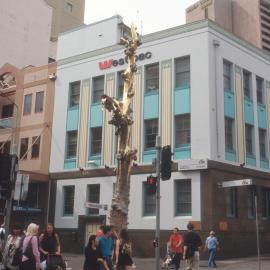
208	46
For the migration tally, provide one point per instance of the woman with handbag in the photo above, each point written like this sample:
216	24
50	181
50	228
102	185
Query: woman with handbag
30	252
11	254
123	251
50	247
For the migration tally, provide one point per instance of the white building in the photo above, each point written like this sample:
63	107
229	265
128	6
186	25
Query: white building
203	90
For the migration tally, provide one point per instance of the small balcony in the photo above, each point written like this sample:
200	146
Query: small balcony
6	123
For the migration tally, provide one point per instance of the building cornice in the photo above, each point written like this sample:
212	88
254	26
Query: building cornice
178	30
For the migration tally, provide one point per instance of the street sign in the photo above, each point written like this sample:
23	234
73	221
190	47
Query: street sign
96	206
192	164
237	183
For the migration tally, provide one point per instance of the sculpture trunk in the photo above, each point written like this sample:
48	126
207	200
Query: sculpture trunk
122	120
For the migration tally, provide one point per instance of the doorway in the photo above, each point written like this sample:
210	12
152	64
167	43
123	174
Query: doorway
90	228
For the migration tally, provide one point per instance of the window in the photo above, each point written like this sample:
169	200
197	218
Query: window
7	111
151	131
39	102
120	85
227	77
74	94
69	7
265	202
229	134
5	147
260	94
152	78
96	140
182	72
71	144
98	89
251	201
35	147
247	84
262	142
93	196
68	203
182	130
24	148
183	197
149	202
232	202
249	139
27	104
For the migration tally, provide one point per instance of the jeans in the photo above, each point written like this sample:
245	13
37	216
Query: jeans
109	263
212	256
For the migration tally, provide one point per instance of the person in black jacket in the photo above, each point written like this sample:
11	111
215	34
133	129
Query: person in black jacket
192	245
93	256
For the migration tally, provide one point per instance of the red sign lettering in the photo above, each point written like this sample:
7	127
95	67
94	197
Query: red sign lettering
105	64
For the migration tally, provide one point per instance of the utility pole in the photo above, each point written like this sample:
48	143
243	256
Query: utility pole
8	208
157	236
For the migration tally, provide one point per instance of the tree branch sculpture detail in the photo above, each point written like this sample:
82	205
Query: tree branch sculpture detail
122	120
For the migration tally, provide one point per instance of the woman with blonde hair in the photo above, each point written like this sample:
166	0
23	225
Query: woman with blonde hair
31	255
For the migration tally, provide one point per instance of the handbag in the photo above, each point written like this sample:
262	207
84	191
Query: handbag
55	260
28	252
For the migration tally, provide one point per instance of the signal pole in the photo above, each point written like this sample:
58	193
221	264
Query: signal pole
157	235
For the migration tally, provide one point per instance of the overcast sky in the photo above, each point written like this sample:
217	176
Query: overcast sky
152	15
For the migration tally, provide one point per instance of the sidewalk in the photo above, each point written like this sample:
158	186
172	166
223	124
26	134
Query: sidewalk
76	262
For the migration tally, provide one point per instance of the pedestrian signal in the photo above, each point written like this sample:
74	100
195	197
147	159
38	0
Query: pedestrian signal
151	185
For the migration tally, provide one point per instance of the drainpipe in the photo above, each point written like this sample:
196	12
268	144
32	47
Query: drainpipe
216	44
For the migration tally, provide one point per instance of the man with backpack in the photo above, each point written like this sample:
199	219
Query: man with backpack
192	245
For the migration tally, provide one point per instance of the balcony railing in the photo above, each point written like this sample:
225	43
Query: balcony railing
6	123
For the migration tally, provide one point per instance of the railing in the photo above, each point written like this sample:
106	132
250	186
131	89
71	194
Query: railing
6	123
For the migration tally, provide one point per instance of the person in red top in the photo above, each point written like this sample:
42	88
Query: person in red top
176	245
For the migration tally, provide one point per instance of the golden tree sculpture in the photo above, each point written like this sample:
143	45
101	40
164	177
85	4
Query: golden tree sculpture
122	120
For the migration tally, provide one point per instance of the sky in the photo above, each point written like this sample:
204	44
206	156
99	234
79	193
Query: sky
148	15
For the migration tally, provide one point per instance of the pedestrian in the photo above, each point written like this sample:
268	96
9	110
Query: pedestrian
93	256
2	240
50	247
105	243
192	245
11	253
100	231
176	245
211	244
123	251
30	257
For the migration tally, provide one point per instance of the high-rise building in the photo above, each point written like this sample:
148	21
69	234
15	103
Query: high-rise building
67	14
248	19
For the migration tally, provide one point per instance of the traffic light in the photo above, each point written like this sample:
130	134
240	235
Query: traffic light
151	185
5	171
166	162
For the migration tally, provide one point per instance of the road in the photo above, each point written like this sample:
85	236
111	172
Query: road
76	262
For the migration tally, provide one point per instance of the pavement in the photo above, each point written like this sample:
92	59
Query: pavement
75	262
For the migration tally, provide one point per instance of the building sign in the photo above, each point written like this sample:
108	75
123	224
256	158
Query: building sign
114	63
192	164
237	183
96	206
223	226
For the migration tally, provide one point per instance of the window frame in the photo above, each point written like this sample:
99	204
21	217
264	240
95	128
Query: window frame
69	133
72	96
36	103
260	89
251	191
93	143
263	145
229	141
120	85
249	146
265	202
29	110
9	112
35	146
146	122
96	92
26	149
92	211
179	81
232	202
178	194
227	66
247	88
182	118
64	189
150	203
154	77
